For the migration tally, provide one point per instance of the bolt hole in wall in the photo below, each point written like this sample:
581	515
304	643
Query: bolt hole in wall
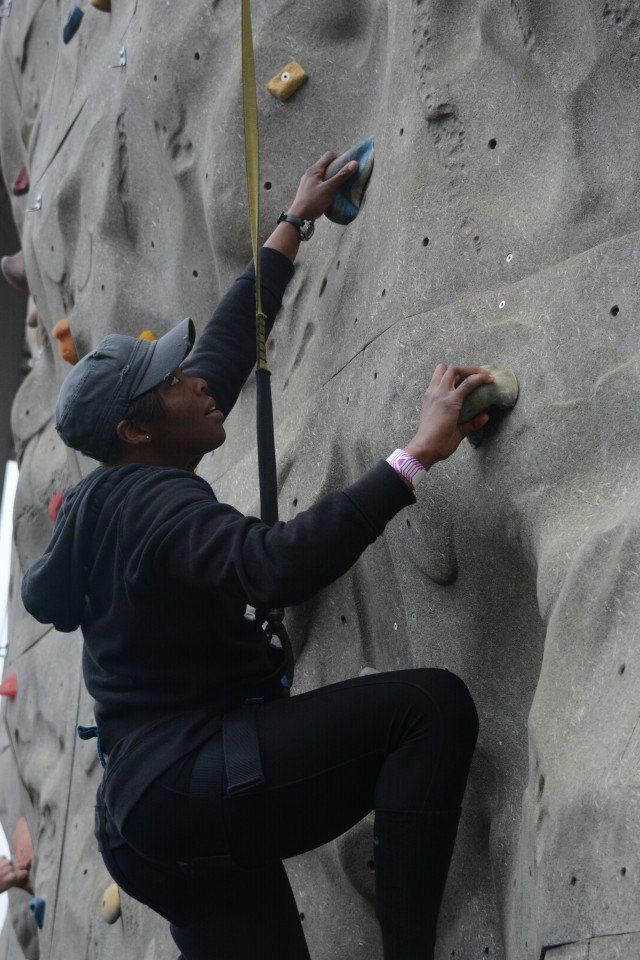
615	310
493	143
6	531
268	184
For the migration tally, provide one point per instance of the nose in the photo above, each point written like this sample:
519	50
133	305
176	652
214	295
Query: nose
199	385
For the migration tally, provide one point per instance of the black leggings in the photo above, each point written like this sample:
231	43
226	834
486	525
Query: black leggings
398	742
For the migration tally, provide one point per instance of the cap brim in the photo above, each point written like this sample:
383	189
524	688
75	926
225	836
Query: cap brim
166	354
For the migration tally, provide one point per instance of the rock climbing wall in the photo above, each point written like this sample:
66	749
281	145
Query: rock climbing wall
500	226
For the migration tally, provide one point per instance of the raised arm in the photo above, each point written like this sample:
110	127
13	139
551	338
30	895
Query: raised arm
226	352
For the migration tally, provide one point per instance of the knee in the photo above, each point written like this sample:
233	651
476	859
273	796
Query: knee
455	704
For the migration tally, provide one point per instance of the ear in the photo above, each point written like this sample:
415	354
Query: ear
130	432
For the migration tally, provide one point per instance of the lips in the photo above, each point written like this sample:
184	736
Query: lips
212	410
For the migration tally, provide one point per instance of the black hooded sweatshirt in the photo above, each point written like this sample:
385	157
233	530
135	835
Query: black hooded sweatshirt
159	574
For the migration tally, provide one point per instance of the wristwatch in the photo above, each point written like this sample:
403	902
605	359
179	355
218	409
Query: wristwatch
305	227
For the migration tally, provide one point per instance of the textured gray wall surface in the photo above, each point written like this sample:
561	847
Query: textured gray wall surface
501	225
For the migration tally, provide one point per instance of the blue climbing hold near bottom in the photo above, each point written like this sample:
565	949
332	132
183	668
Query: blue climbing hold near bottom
350	196
74	19
37	907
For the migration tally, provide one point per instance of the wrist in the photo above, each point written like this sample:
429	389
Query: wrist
427	457
407	466
303	225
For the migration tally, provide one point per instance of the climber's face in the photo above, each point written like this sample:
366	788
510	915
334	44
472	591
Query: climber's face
192	425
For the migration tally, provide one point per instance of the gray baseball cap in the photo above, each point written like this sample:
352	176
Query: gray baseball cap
95	395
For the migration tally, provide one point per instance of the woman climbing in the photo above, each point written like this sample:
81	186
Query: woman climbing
214	775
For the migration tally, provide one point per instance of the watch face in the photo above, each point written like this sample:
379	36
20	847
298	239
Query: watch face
306	230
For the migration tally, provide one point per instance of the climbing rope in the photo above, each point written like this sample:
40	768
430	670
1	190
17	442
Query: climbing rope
267	471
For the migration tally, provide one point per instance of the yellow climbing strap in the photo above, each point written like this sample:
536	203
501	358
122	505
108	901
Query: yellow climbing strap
252	150
267	470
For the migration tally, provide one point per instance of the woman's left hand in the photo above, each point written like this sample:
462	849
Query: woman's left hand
313	197
315	194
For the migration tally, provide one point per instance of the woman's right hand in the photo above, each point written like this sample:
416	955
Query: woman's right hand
439	432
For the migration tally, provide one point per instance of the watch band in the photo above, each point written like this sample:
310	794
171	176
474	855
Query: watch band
407	466
305	227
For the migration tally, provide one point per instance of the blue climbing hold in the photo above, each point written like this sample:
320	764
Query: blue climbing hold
350	196
37	907
74	19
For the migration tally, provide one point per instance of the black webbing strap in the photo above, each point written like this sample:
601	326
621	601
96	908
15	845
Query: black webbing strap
267	471
241	749
206	778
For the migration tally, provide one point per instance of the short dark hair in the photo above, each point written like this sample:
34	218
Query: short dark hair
148	406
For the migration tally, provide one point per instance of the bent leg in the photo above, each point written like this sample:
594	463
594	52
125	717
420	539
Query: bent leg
253	914
401	742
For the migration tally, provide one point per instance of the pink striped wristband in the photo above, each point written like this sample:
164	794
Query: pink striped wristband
407	466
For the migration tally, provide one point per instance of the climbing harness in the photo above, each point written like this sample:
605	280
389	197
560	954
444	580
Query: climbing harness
267	472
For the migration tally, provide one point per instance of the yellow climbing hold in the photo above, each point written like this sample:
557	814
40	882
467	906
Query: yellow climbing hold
147	335
104	5
66	346
287	81
111	909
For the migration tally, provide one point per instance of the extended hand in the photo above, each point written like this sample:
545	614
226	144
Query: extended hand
316	194
439	432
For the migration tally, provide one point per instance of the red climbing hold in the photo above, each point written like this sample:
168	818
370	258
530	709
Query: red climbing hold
20	185
9	687
54	506
21	843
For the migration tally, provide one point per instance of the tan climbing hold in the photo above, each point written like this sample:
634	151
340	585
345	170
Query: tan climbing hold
147	335
104	5
111	908
287	81
66	346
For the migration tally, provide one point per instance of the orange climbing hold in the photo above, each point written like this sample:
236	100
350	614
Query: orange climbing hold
9	686
147	335
54	506
287	81
66	346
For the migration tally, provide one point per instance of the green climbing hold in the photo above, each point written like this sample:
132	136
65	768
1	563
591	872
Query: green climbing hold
502	393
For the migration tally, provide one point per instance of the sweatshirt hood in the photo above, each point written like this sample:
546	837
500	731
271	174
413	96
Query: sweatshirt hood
54	588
